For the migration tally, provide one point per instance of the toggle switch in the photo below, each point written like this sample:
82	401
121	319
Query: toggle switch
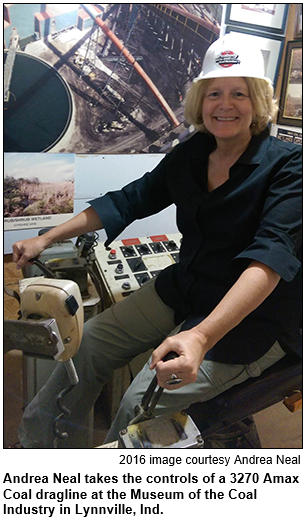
143	249
136	264
170	245
128	251
142	278
119	269
157	247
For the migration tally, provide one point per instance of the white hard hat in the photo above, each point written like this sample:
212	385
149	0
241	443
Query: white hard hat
233	55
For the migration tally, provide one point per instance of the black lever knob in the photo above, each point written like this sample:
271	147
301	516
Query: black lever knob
170	355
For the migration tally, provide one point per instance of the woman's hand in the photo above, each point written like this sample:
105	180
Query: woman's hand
191	347
86	221
25	250
250	290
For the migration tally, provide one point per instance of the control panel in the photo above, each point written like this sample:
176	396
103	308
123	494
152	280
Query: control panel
128	264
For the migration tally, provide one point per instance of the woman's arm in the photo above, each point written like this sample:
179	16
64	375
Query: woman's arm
253	286
86	221
143	197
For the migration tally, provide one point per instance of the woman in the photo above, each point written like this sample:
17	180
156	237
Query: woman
229	308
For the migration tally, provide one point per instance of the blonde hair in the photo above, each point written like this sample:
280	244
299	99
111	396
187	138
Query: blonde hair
262	98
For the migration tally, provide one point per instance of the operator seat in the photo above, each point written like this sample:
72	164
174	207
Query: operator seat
226	421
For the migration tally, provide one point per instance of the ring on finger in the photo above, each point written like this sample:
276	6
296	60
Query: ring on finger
173	380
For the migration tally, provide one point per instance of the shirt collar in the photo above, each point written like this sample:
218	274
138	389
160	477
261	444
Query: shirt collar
255	150
252	155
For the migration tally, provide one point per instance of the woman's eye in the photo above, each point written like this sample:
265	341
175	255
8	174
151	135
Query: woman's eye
213	94
239	94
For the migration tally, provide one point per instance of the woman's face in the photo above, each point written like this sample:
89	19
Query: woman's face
227	109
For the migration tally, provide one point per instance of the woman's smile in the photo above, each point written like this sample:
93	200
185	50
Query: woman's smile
226	119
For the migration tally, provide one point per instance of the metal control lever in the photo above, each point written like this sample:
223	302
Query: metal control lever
39	264
48	273
51	326
11	293
149	400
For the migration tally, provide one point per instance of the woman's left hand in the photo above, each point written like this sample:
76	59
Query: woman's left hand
191	347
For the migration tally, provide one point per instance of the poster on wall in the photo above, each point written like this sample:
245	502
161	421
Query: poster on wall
38	190
113	86
271	18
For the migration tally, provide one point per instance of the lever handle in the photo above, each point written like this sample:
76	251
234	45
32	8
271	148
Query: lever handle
11	292
48	273
149	392
39	264
170	355
151	397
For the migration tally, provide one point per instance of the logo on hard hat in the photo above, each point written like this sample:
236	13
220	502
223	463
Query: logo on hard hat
227	58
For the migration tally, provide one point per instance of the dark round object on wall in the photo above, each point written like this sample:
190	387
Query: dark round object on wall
39	108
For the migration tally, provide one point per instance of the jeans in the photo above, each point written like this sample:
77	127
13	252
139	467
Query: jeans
111	340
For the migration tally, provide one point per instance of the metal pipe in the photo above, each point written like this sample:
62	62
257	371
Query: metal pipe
107	31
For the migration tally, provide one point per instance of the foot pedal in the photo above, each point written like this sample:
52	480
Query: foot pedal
167	432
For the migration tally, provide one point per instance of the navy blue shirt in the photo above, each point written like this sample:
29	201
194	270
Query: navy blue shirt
255	215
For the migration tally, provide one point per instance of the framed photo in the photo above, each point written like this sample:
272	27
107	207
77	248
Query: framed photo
271	45
298	28
287	133
271	18
290	109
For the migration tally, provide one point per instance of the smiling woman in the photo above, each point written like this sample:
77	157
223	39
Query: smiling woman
261	95
232	100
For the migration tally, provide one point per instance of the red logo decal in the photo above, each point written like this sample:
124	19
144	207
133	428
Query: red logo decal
227	58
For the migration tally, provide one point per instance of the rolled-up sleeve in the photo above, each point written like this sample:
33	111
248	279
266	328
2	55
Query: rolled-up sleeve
279	233
143	197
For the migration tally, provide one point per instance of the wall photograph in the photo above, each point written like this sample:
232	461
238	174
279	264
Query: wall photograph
80	94
38	189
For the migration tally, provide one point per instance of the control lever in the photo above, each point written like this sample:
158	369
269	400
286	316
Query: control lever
149	400
39	264
10	292
48	273
42	337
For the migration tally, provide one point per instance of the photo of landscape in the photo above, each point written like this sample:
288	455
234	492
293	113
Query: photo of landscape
28	189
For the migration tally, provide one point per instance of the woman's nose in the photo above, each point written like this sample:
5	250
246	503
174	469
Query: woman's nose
226	101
